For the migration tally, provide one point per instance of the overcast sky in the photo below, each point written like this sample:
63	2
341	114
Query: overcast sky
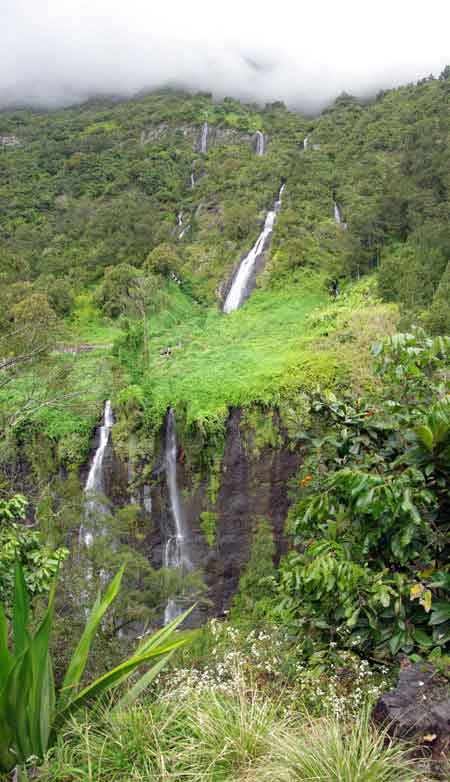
304	52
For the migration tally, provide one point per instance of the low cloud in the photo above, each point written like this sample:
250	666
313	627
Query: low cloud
57	52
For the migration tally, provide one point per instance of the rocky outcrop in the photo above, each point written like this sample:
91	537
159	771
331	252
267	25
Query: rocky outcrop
9	141
251	483
418	709
216	134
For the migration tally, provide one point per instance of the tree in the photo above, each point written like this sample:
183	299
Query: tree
438	319
32	376
115	287
163	259
144	292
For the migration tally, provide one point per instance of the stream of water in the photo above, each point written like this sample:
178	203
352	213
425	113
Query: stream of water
204	138
176	550
337	214
239	287
260	143
95	482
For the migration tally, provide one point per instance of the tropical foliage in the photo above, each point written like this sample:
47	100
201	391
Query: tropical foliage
370	567
31	711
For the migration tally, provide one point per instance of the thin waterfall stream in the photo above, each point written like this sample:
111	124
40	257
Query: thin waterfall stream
176	550
260	143
337	214
95	480
204	138
239	290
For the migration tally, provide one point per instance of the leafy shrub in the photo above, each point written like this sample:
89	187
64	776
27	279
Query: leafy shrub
371	532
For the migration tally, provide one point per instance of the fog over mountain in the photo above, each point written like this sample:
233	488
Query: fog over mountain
56	52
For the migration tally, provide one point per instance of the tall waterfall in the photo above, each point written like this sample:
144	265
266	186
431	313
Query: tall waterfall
260	143
176	549
95	482
239	288
204	138
192	180
180	219
305	143
337	214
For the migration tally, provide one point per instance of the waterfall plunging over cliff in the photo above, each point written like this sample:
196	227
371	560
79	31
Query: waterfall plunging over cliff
260	143
239	287
204	138
305	143
95	482
176	550
337	214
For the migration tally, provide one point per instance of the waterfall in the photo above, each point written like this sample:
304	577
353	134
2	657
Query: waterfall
176	548
305	143
204	138
239	288
192	180
260	143
337	214
95	482
180	219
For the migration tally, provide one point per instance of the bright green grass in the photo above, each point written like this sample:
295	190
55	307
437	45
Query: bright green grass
258	353
87	326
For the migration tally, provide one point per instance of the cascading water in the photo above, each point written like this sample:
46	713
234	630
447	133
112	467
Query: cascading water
204	138
180	219
305	143
192	180
337	214
260	143
239	288
176	550
95	482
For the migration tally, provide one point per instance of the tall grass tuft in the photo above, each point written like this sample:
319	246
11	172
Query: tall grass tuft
225	735
328	750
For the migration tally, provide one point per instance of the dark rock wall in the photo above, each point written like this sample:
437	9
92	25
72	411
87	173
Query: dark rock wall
252	485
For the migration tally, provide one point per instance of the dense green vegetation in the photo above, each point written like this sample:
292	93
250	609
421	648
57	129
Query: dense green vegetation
118	239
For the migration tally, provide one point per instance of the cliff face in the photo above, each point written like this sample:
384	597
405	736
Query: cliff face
251	482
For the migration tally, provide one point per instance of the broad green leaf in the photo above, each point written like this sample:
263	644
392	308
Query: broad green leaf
20	612
395	642
79	658
421	637
109	680
440	613
40	719
19	686
163	634
142	683
6	659
425	436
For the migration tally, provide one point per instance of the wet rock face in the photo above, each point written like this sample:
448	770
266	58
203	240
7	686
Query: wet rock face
216	134
251	488
252	485
418	709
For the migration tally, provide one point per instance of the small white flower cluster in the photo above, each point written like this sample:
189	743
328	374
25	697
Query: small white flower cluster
236	659
342	689
264	658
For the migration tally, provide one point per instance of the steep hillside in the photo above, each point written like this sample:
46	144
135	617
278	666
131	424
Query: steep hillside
123	228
